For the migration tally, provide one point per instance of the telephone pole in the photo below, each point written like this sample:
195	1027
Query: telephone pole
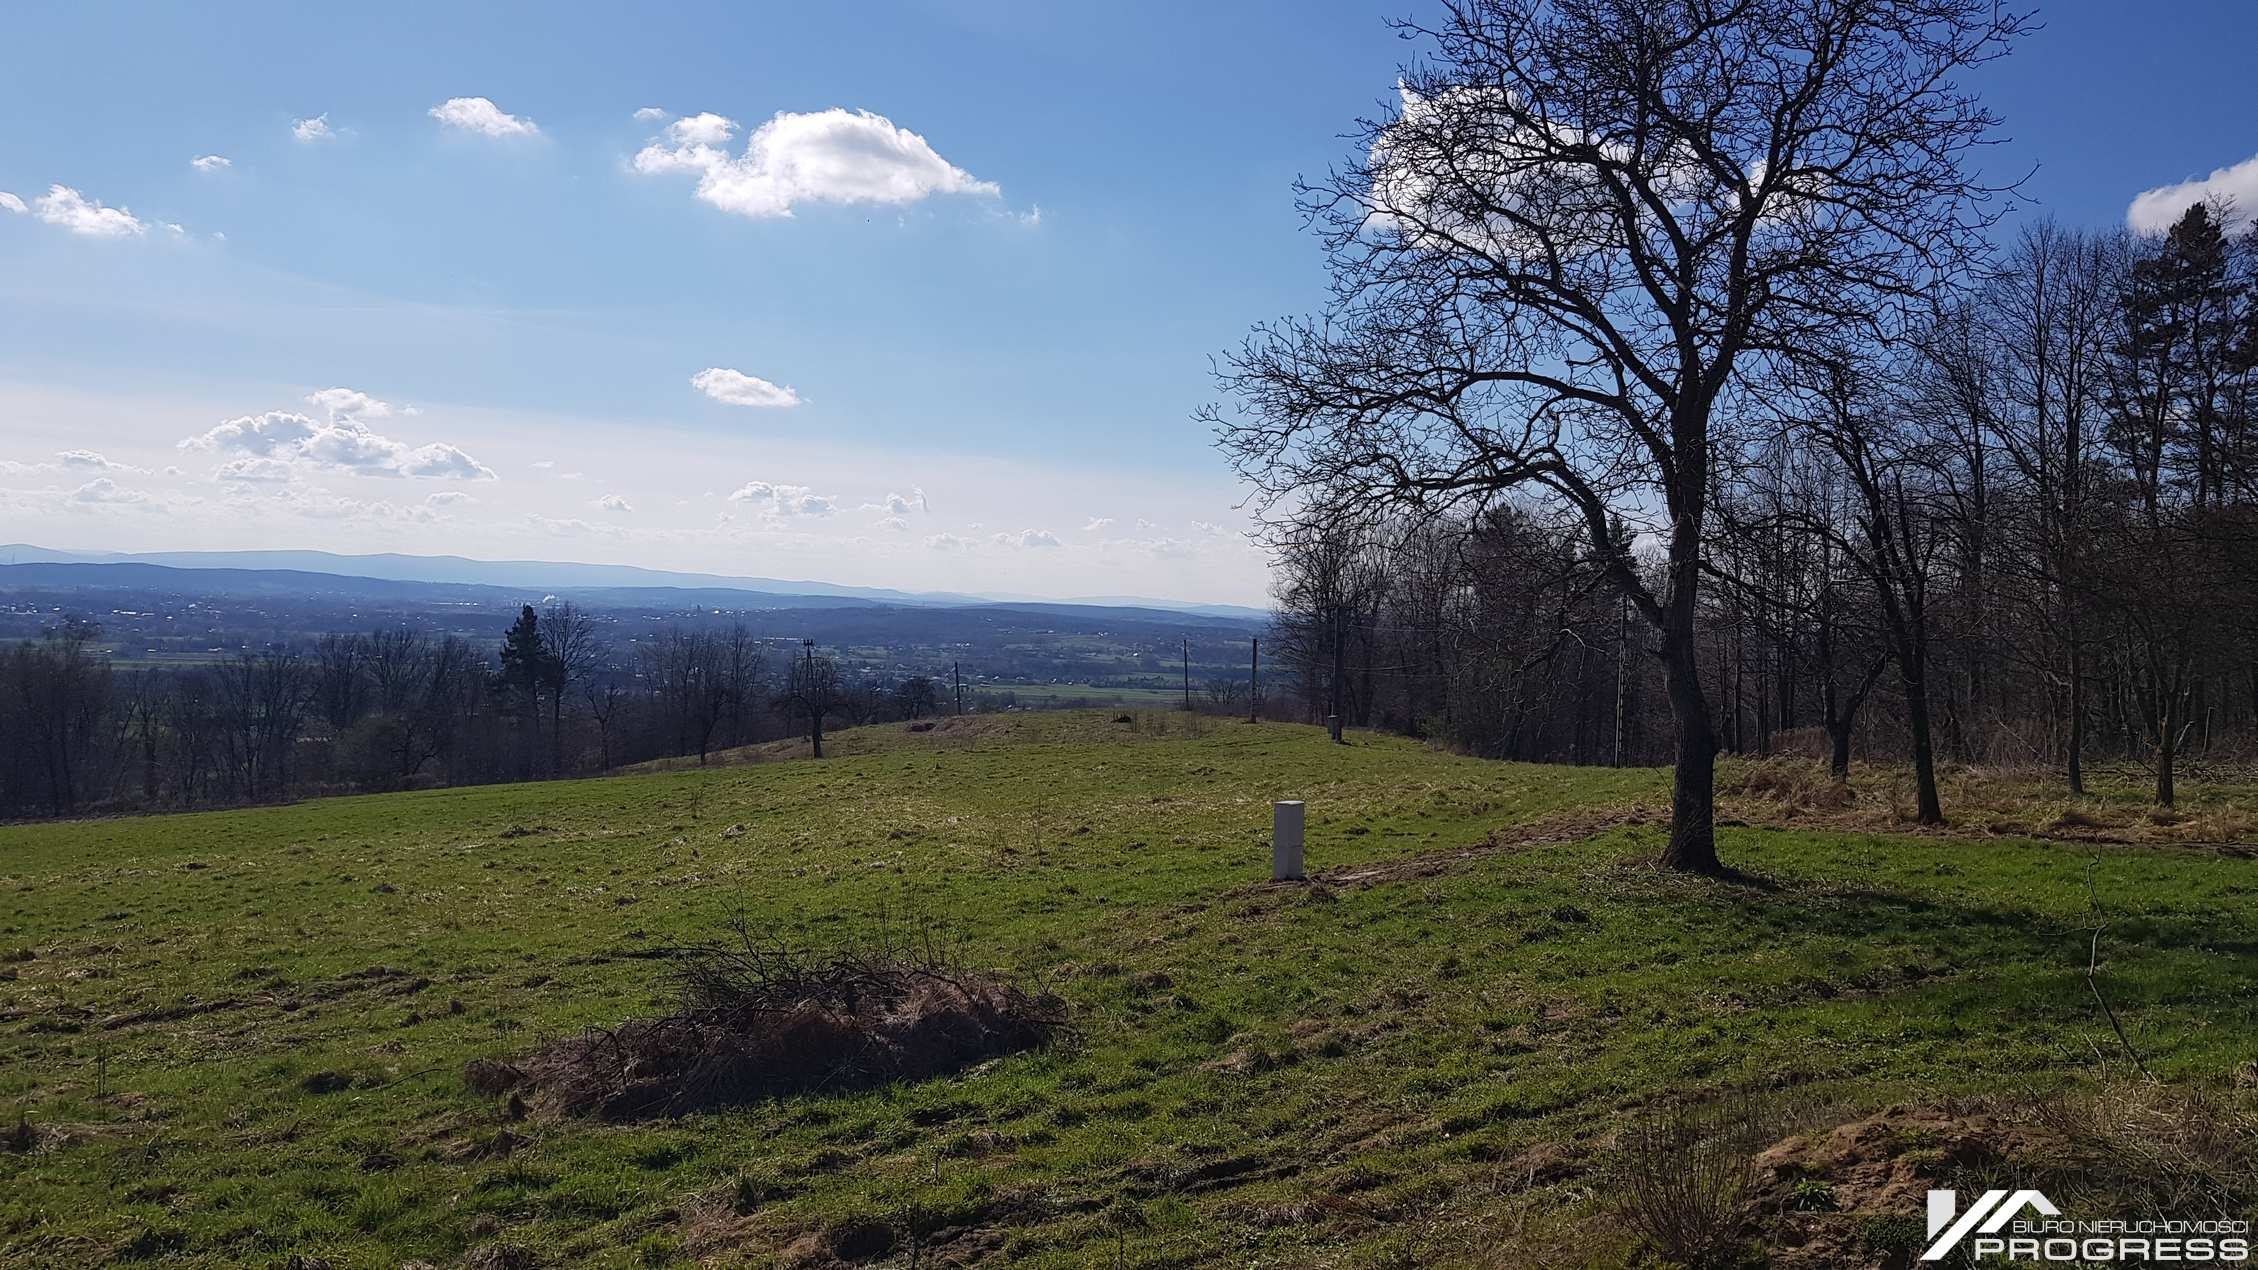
956	672
1622	653
1254	681
1187	672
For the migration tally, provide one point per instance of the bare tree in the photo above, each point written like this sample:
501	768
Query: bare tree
1589	227
575	651
813	691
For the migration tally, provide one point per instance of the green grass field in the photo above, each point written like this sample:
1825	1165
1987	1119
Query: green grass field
237	1037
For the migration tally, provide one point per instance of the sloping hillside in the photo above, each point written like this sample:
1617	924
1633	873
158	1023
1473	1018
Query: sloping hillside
238	1038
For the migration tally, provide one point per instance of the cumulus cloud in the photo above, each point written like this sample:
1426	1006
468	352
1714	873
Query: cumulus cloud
254	471
211	163
342	443
895	505
314	129
2153	211
479	115
276	431
825	156
104	490
10	202
447	498
89	461
615	503
649	114
784	500
893	524
71	210
1026	538
350	402
739	389
1097	523
948	542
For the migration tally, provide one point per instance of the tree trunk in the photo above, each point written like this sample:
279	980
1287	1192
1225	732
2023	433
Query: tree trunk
2077	740
1928	810
1693	816
2166	751
1838	750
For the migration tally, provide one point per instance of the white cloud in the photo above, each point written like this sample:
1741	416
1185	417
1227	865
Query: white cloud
544	464
1097	523
826	156
703	129
900	504
479	115
64	206
448	498
314	129
893	524
344	443
948	542
349	403
11	203
739	389
104	490
2153	211
254	471
615	503
211	163
276	431
88	460
1028	538
444	462
649	113
572	527
784	500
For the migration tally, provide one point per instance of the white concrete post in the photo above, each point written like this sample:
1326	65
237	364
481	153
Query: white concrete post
1285	841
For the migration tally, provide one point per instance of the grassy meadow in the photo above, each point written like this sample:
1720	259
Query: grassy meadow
237	1038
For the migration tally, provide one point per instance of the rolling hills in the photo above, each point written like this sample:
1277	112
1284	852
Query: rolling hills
239	1037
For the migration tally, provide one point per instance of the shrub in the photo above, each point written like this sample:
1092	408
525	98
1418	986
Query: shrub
759	1019
1688	1173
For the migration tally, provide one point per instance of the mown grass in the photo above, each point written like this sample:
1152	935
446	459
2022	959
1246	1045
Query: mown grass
1363	1073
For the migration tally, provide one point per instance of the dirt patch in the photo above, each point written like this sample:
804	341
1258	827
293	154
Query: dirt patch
1854	1195
759	1022
1550	831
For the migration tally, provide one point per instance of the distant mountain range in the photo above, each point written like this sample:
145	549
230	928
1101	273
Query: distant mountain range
253	572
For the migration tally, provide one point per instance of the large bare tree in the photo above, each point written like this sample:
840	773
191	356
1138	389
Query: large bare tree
1587	229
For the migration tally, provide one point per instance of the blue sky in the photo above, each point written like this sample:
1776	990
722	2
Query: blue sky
991	372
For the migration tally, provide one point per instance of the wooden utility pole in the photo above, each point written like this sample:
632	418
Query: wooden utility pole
815	709
1340	667
1622	651
956	673
1254	681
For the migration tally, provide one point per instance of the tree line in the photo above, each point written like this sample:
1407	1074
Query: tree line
1680	393
402	708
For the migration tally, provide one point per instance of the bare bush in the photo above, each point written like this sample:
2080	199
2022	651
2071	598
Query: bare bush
1688	1172
762	1019
2161	1148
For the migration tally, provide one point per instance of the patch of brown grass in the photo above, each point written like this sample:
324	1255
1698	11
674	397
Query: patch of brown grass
1792	791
